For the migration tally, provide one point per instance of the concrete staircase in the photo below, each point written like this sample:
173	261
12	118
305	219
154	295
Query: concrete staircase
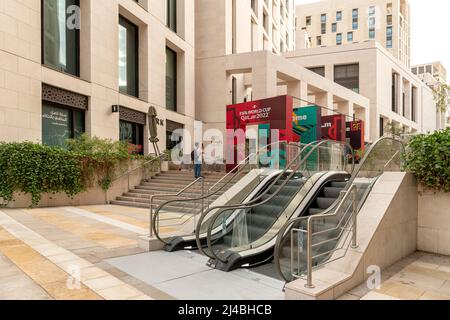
171	182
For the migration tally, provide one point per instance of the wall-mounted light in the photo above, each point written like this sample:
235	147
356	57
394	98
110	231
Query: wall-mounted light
115	108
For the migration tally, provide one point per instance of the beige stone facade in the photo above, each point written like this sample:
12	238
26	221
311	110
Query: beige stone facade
22	73
325	20
410	106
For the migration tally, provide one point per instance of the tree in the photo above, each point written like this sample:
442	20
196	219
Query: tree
441	93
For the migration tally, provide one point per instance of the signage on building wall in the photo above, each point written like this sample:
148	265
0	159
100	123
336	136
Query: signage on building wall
274	112
334	127
307	124
355	134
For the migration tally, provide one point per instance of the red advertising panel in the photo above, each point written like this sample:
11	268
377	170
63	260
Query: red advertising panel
276	112
334	127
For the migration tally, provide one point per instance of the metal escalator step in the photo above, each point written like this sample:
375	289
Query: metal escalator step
325	203
268	210
286	190
279	198
314	211
332	192
336	184
260	220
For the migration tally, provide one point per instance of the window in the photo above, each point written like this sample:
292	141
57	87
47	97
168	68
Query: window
389	37
171	80
171	15
350	36
254	6
333	27
128	57
372	23
233	90
389	20
414	70
319	70
339	38
355	19
323	28
371	11
132	133
323	18
339	16
381	127
394	92
347	76
372	34
60	123
413	103
421	70
60	45
319	41
429	69
308	20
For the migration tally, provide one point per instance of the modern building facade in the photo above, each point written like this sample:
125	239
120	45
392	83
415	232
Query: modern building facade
431	73
96	67
397	97
334	22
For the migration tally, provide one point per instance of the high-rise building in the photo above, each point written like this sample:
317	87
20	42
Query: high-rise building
336	22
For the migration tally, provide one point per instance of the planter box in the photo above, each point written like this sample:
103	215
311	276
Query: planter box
93	196
434	222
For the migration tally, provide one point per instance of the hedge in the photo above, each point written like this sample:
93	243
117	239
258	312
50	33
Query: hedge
428	157
36	169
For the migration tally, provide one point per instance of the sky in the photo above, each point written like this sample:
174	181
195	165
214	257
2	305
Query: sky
430	28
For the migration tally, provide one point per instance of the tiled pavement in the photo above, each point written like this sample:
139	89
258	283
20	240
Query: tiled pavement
421	276
42	251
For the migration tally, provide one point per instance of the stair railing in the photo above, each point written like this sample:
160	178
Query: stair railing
234	173
348	222
302	165
128	173
173	195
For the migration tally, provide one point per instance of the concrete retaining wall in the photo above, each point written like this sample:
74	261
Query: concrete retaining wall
434	222
93	196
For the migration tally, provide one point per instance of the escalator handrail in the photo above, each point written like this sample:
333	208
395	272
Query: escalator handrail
283	231
240	167
253	205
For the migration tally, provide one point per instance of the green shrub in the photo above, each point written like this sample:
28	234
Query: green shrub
99	158
428	157
36	169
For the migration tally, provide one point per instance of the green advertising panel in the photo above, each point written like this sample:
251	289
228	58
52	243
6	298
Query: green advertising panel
307	127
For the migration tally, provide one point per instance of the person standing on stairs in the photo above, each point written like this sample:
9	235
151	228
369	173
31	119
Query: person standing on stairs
198	160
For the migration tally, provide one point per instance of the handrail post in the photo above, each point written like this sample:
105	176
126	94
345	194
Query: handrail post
151	216
355	219
309	253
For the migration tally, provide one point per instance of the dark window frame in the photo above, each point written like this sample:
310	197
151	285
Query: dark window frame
65	107
136	57
175	109
77	45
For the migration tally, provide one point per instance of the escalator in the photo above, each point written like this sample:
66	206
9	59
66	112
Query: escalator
328	234
251	175
245	235
247	240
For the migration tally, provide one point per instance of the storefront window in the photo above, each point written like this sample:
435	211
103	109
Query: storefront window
132	133
60	123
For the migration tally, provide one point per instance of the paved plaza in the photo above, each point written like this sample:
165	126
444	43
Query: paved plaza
43	250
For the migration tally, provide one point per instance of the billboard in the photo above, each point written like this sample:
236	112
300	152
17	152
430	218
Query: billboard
334	127
307	124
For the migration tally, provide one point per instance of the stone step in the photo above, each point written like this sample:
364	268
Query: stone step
173	190
160	200
181	205
147	206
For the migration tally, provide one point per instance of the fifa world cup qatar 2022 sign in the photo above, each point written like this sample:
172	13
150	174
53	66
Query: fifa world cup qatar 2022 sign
275	113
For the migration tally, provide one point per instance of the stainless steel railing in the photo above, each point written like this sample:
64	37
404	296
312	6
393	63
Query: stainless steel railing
372	162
